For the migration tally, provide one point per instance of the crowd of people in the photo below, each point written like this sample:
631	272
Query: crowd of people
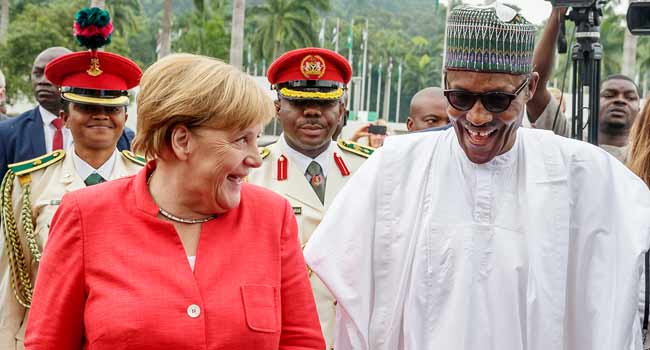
485	226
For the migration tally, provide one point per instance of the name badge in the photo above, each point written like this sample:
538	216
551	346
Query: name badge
55	202
297	210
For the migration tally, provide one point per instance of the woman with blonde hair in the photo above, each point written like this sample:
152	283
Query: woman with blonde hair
184	254
639	154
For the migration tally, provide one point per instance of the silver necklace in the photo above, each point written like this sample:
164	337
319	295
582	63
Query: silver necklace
185	221
173	217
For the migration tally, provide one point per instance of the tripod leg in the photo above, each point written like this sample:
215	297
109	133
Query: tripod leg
581	99
594	122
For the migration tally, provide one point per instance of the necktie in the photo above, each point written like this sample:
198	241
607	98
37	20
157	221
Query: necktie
57	142
316	179
94	179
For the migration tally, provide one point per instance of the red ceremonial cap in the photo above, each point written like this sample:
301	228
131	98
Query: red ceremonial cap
94	77
310	73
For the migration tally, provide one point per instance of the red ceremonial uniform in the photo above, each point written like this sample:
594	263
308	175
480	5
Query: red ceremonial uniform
115	276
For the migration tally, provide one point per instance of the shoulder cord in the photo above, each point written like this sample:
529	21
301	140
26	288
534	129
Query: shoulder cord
26	219
20	277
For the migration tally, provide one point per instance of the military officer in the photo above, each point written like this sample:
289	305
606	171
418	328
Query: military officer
94	90
305	165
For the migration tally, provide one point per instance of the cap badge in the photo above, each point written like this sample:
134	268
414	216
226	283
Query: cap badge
94	69
312	67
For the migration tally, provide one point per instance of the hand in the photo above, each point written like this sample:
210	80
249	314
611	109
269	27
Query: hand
361	132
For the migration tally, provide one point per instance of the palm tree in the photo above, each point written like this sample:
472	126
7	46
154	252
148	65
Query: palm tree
285	24
4	21
203	30
629	54
237	35
643	63
165	40
98	3
124	14
612	38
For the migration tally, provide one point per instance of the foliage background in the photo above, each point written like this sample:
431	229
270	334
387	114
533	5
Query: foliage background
410	32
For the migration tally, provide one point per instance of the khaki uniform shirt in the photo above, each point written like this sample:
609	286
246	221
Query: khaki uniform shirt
309	210
48	186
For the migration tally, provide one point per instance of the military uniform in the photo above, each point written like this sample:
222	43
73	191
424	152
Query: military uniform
311	74
306	205
32	190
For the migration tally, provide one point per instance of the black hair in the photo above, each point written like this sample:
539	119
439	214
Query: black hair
622	77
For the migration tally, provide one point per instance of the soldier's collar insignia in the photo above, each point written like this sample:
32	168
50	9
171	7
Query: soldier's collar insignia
264	152
137	159
313	66
356	148
340	163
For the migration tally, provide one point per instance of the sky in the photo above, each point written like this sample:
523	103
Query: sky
535	11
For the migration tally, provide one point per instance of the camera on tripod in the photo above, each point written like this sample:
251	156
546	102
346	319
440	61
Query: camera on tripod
638	13
638	17
586	55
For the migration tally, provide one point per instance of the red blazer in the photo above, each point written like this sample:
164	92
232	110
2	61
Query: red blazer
114	276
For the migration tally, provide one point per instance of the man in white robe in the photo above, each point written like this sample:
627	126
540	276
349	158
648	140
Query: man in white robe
486	236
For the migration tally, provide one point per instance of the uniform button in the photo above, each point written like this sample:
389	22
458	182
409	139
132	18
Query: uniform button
193	311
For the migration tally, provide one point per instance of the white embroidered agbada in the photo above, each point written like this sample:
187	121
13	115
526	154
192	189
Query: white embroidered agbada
539	249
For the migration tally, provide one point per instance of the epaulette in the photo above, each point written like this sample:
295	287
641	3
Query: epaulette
264	152
356	148
29	166
140	160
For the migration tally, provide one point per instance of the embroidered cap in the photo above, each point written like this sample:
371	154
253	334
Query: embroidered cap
94	77
310	73
491	38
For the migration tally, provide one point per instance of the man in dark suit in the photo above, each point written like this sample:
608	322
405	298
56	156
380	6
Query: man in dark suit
40	130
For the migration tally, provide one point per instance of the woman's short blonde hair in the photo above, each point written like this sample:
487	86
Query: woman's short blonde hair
638	159
193	90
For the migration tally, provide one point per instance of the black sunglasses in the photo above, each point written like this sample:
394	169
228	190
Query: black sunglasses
495	102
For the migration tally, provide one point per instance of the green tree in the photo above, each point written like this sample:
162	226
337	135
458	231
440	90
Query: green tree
4	20
410	32
35	28
126	16
643	63
203	31
611	37
284	25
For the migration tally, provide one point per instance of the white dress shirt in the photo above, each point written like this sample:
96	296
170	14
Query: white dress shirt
49	130
192	261
84	169
302	161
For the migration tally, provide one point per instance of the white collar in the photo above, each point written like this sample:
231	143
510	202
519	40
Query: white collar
46	115
84	169
302	161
